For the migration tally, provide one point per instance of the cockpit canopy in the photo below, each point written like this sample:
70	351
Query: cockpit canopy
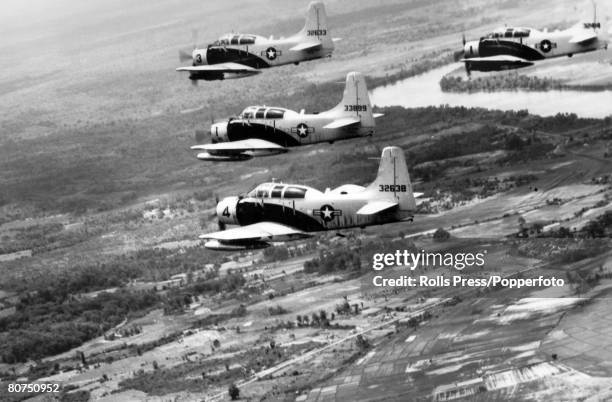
262	112
509	33
235	39
278	190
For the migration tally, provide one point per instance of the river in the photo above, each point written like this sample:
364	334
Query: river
424	90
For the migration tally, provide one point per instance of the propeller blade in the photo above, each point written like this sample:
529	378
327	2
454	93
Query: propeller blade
458	55
221	225
194	38
184	56
464	40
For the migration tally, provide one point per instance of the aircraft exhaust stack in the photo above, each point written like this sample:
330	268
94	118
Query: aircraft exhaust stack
393	180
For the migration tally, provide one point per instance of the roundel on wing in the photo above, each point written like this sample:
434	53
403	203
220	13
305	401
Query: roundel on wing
546	46
271	53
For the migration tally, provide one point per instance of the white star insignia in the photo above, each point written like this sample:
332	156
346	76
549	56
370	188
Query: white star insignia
327	213
271	53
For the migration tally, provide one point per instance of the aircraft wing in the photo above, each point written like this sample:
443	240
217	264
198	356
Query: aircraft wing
344	122
257	232
220	68
238	147
583	38
493	62
306	46
376	207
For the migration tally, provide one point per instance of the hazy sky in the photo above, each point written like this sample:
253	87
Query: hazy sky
12	10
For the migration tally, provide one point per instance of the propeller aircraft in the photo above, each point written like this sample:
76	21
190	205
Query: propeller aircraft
237	55
262	131
276	212
512	48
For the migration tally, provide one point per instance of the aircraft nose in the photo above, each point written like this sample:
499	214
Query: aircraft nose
199	57
471	49
218	132
226	210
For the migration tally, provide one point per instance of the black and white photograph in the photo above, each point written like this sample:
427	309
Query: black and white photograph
305	200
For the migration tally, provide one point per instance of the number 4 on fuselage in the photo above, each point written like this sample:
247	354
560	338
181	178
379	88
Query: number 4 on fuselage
278	212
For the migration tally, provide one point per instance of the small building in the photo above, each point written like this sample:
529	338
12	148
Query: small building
180	277
531	229
170	283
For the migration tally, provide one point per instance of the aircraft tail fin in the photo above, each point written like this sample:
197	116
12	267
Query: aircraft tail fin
356	101
595	24
315	27
393	181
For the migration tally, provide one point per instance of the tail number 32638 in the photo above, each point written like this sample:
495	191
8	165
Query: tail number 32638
392	188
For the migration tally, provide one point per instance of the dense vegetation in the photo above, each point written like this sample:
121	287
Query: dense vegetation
597	228
499	82
510	82
53	315
39	329
146	265
334	260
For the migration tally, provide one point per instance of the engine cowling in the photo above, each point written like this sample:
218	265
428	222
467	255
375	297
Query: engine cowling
226	210
199	57
218	132
471	49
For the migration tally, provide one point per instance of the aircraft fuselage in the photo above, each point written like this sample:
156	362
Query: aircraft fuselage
528	45
292	129
258	52
314	211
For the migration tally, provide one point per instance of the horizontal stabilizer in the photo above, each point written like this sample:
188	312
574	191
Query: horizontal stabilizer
257	232
344	122
583	38
306	46
377	115
376	207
